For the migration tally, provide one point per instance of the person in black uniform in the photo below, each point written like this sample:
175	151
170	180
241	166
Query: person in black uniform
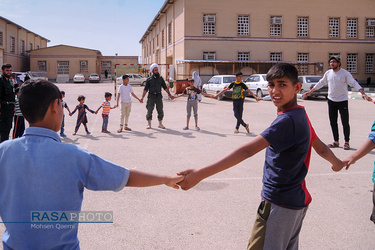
7	101
153	86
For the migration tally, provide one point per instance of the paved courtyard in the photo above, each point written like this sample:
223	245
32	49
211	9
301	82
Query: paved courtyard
219	212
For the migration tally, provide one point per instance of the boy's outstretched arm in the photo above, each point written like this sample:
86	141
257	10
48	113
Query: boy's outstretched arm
194	176
363	150
326	153
143	179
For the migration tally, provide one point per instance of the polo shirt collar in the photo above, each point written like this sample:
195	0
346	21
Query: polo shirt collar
44	132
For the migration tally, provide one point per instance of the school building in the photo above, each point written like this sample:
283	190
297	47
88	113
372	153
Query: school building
62	62
16	43
221	37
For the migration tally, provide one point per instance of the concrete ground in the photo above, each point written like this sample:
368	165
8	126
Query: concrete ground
219	212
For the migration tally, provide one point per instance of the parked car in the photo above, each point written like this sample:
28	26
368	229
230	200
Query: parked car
94	78
134	79
308	82
78	78
217	84
38	75
258	84
20	76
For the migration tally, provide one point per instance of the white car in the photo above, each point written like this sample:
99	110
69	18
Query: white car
308	82
133	79
258	84
217	84
21	76
94	78
78	78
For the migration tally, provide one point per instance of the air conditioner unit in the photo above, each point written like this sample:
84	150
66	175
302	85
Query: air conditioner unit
83	63
276	20
370	23
210	57
43	63
209	18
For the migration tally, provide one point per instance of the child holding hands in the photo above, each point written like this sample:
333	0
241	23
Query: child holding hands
192	102
288	140
81	118
106	108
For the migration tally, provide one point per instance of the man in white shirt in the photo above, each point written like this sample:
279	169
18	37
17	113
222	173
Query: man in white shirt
338	80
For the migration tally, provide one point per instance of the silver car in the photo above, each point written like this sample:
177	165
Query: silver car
308	82
134	79
258	84
217	84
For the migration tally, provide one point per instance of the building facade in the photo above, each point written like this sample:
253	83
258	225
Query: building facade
16	42
220	37
62	62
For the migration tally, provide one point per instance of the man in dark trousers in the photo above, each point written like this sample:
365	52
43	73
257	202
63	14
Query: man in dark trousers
7	101
153	86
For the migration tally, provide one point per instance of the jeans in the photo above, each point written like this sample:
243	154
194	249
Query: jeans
105	122
238	111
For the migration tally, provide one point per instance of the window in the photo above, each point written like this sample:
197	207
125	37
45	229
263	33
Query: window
243	56
369	63
83	66
209	55
63	67
209	23
42	66
22	47
334	25
157	40
153	45
275	25
370	28
12	43
351	61
1	38
243	25
351	28
302	26
162	39
303	57
275	56
170	33
30	46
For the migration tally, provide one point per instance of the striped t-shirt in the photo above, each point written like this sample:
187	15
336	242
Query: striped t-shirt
106	107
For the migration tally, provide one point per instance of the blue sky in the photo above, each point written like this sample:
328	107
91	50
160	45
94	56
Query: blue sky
111	26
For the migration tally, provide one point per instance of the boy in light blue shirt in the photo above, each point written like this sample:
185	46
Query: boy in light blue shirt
39	173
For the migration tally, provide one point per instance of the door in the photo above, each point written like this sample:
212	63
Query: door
62	71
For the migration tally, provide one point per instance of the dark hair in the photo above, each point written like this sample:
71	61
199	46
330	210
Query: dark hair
17	90
62	92
81	97
6	66
280	70
35	98
239	73
107	94
124	77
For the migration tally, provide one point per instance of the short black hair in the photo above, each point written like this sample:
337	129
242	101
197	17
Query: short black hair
35	98
62	92
124	77
239	73
81	97
6	66
280	70
107	94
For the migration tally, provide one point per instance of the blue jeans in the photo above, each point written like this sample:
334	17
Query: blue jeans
238	110
105	122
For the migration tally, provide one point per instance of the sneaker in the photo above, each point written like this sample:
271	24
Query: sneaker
63	135
161	126
148	126
185	128
74	133
247	128
87	132
236	131
197	128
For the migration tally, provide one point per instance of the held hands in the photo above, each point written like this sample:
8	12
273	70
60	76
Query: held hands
191	178
173	180
305	95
